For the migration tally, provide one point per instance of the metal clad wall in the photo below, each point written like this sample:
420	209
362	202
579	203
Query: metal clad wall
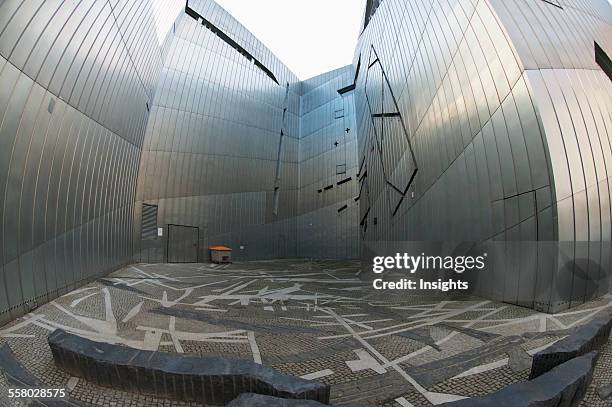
328	155
75	78
507	115
573	98
499	110
212	145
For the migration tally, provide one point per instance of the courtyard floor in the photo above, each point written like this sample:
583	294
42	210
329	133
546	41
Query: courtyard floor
317	320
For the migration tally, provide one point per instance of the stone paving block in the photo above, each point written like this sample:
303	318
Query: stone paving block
586	338
171	375
258	400
563	386
605	392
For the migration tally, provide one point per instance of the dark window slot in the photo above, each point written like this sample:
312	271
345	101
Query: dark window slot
344	181
357	198
241	50
357	70
342	208
276	200
328	187
361	166
553	3
191	12
371	7
353	85
392	114
365	217
320	190
603	60
347	89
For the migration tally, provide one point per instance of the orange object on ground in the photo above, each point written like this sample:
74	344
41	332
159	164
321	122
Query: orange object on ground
220	248
220	254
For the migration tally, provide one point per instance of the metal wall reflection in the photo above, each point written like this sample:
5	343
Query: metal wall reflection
75	81
504	113
328	213
472	120
213	152
240	153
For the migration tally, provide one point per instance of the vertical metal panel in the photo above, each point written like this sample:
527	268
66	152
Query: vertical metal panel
74	81
503	109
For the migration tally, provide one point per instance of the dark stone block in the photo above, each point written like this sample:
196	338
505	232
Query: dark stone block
258	400
563	386
586	338
214	381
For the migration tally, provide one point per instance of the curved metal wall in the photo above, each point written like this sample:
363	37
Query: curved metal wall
213	152
489	110
475	121
75	79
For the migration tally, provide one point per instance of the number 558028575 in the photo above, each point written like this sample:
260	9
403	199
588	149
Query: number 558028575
32	393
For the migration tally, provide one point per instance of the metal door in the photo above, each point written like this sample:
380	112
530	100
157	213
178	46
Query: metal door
183	244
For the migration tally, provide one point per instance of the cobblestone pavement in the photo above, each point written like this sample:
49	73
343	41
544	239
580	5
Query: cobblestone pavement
317	320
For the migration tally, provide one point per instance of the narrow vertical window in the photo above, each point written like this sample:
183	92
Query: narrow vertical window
603	60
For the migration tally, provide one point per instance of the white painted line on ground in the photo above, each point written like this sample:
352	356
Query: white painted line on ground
254	347
365	362
318	375
133	312
175	340
78	300
72	383
403	402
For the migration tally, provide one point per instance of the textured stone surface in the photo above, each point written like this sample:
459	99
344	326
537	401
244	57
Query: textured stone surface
215	381
277	313
518	359
202	317
434	372
604	392
474	333
258	400
12	369
586	338
563	386
602	377
18	377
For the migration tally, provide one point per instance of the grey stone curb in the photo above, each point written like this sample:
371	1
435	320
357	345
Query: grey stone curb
586	338
215	381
